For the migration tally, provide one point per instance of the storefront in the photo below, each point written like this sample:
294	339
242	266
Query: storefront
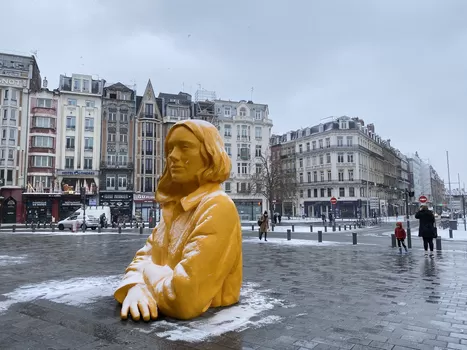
68	205
120	203
342	210
249	209
8	210
39	210
145	204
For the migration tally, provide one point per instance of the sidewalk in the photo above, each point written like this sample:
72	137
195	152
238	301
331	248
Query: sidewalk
57	292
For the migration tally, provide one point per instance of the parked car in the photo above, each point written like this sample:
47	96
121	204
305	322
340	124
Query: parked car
90	222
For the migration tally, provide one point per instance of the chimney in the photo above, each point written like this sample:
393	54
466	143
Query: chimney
44	83
371	127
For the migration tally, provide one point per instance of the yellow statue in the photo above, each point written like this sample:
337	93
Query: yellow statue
193	259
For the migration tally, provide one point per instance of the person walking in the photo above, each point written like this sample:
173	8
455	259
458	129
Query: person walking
400	233
427	229
263	228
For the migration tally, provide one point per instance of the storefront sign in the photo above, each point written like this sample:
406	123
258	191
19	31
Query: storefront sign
13	82
38	203
71	203
143	197
78	172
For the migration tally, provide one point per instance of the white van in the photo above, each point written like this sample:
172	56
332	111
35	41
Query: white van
97	211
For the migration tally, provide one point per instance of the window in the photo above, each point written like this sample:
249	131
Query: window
328	142
328	158
86	85
89	124
72	102
5	95
301	193
5	114
148	129
242	112
351	192
301	177
227	111
320	144
340	141
124	117
244	168
149	146
300	163
124	139
341	175
12	134
322	192
308	161
350	174
111	159
259	168
258	115
349	141
43	161
307	146
350	157
44	102
71	122
300	148
313	143
344	124
42	122
258	133
122	159
122	182
87	163
321	173
258	151
4	134
308	174
329	192
69	162
12	114
90	104
43	141
110	182
88	143
315	193
11	154
70	142
329	175
308	193
227	130
112	116
315	176
321	159
77	85
111	137
314	160
340	157
228	148
341	192
228	187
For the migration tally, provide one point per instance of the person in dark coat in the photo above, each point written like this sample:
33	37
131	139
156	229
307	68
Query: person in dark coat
426	229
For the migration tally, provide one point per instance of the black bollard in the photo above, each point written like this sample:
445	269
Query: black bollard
354	238
333	228
142	224
438	243
450	233
355	226
124	225
311	228
409	239
320	236
14	228
345	227
393	240
53	228
99	229
289	234
340	228
141	230
131	224
293	228
325	228
253	227
119	229
33	228
272	227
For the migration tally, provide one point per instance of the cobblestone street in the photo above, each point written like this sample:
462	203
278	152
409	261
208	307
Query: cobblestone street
56	293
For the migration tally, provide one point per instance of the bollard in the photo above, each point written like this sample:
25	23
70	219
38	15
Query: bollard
253	227
33	228
325	228
141	230
438	243
354	238
345	227
311	228
340	228
53	228
355	226
124	225
333	228
289	234
320	236
293	228
14	228
450	233
393	240
131	224
99	229
142	224
409	239
272	227
119	229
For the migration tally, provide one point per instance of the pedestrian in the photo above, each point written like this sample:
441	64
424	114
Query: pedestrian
279	217
264	226
427	229
400	236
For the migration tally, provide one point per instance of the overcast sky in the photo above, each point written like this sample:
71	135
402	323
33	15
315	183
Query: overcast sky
399	64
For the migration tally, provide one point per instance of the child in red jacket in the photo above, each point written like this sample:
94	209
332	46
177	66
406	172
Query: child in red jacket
400	236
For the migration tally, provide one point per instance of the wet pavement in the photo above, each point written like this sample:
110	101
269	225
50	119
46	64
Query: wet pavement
56	294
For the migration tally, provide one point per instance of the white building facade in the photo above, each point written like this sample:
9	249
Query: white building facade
79	126
246	128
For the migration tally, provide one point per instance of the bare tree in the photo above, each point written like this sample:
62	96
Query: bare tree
271	180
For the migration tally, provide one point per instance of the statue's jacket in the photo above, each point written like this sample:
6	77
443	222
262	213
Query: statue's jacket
197	252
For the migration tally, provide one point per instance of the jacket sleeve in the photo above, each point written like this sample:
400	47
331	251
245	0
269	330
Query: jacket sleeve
210	253
417	215
134	272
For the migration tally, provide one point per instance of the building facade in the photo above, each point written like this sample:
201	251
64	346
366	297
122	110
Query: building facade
149	138
19	76
80	130
117	150
246	129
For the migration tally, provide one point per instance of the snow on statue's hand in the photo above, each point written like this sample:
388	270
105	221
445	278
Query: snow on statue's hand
139	302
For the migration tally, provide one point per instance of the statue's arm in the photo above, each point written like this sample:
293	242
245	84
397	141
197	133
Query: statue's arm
134	271
212	250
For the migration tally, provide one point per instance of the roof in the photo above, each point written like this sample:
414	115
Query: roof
138	102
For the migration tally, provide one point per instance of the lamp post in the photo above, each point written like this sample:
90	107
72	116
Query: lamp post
368	191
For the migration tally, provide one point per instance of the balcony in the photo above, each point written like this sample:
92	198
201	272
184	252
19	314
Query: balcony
44	110
36	149
89	128
88	148
7	162
243	138
117	165
8	122
11	103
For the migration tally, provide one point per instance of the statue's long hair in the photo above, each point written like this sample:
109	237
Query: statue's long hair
218	164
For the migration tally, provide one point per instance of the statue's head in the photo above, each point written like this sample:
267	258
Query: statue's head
195	155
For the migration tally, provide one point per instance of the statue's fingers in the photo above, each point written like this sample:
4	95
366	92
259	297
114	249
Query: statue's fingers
134	311
152	309
125	309
144	309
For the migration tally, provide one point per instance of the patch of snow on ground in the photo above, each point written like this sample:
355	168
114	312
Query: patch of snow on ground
294	242
253	303
6	260
75	291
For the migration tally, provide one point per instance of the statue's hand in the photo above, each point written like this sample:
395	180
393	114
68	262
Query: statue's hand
139	302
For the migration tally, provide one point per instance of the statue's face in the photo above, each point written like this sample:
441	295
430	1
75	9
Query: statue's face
184	159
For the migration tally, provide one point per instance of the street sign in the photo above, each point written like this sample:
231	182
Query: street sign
333	200
423	199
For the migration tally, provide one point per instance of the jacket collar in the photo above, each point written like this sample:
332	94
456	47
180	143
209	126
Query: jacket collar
194	198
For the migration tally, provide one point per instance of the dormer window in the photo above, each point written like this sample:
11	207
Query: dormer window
77	85
242	112
344	124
